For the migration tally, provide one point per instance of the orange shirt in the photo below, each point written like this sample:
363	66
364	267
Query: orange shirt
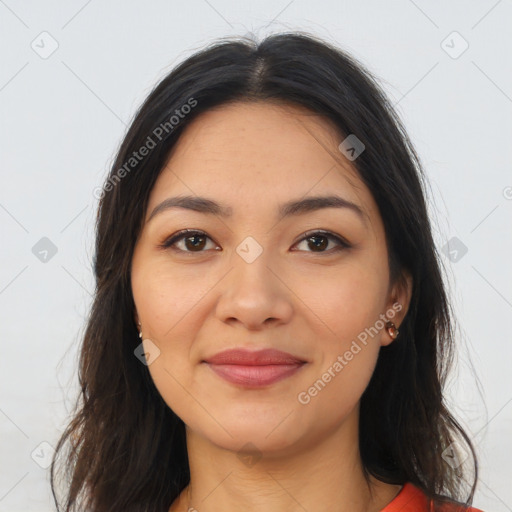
412	499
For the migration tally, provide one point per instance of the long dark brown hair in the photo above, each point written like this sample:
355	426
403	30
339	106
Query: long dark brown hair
125	448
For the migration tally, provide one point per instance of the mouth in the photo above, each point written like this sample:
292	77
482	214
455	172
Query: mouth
254	369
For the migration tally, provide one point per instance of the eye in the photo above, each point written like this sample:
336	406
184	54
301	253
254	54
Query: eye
319	240
195	241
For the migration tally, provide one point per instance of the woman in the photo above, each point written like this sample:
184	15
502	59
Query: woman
270	329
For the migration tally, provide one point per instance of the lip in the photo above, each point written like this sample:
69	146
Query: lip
244	357
254	368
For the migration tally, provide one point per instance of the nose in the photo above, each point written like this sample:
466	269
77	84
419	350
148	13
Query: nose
254	295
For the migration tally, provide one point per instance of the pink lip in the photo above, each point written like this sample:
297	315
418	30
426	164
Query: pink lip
254	369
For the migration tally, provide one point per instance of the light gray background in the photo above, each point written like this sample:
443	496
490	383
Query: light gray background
63	116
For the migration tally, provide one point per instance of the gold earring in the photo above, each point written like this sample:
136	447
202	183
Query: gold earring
392	330
140	332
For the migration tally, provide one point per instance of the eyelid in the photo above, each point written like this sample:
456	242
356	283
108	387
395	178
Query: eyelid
178	236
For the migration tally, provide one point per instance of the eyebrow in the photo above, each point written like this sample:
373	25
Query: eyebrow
294	207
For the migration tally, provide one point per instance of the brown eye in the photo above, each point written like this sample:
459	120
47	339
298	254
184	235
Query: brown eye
195	242
191	241
318	241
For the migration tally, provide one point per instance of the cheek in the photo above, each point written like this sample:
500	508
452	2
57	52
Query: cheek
347	350
167	299
171	307
348	305
347	300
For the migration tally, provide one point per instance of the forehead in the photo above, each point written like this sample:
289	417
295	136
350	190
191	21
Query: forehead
259	154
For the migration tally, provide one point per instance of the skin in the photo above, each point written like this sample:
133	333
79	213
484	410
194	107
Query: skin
293	297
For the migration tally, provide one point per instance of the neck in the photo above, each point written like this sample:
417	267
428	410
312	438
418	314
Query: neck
322	475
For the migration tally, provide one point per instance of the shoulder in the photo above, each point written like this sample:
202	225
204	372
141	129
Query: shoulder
413	499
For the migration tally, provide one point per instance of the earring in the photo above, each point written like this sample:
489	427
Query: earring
140	332
392	330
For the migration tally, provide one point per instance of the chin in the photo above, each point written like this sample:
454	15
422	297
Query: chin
249	434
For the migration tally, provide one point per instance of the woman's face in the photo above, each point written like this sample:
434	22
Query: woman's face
261	277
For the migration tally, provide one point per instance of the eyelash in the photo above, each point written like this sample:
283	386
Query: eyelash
180	235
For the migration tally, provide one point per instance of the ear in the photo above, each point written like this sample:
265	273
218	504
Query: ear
397	304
